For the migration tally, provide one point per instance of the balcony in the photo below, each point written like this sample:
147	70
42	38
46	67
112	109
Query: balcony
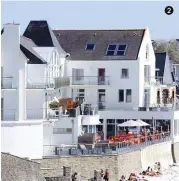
7	83
101	105
37	83
81	81
40	83
155	81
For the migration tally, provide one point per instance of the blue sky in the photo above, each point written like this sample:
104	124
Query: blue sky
96	15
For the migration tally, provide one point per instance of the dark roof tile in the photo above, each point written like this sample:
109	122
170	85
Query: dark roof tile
74	43
38	31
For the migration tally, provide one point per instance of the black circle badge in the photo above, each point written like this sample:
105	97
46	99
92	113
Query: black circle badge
169	10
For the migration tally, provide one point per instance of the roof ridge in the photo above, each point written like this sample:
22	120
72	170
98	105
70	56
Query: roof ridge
5	153
100	29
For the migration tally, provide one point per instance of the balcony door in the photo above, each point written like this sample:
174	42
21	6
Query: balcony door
147	73
77	76
101	76
146	97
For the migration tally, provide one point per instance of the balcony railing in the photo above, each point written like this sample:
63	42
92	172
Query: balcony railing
7	83
40	83
38	113
37	83
83	80
155	81
101	105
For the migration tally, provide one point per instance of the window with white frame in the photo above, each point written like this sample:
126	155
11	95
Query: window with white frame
78	74
62	130
121	95
116	50
128	95
81	94
124	73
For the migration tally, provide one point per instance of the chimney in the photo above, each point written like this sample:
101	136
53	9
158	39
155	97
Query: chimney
15	66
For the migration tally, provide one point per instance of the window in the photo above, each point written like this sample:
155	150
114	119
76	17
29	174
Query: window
121	95
121	50
116	50
62	130
90	46
111	50
81	94
147	51
128	95
125	73
78	74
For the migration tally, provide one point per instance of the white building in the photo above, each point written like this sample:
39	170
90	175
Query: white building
114	70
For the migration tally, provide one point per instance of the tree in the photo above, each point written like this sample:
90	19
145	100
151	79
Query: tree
171	47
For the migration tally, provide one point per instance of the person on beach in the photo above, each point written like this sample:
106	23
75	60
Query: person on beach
74	176
106	175
158	167
102	173
122	178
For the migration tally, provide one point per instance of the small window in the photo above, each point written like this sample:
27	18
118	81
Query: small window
125	73
90	46
121	95
128	95
101	90
116	50
111	50
121	50
62	130
147	51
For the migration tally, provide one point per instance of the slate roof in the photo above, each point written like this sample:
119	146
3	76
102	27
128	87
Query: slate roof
14	168
160	63
2	31
74	43
26	46
39	32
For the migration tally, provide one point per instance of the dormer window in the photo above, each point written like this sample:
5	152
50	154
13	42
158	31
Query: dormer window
90	47
116	50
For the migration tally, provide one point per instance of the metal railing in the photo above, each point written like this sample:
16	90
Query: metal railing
40	113
7	83
40	83
104	148
37	83
81	80
101	105
155	81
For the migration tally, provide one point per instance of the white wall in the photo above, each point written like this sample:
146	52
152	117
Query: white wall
10	51
36	73
34	108
58	139
113	70
167	77
22	139
142	62
35	104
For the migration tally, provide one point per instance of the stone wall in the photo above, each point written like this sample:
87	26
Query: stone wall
118	165
14	168
85	165
157	153
176	151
